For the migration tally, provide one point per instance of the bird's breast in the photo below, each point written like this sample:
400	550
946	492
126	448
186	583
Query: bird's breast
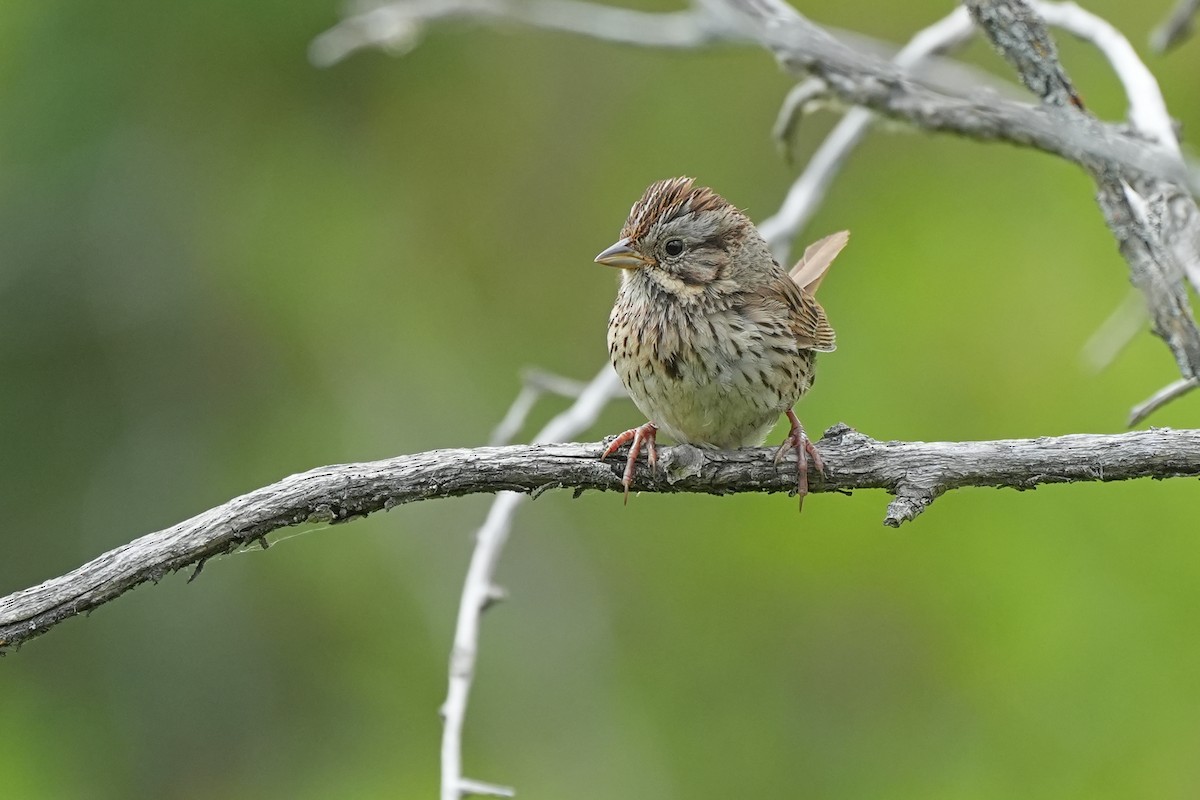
717	374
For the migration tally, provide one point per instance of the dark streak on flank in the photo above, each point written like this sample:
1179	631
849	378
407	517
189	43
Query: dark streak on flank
671	365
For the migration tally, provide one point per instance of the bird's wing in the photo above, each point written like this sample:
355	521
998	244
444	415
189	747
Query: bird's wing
807	318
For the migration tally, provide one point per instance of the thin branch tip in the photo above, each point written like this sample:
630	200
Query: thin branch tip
468	788
1170	392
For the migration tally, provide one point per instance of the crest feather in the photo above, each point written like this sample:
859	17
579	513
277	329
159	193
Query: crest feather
667	200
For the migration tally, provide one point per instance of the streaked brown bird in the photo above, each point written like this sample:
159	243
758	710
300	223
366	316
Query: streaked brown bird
712	338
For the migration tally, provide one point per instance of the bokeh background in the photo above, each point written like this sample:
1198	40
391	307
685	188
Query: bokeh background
220	265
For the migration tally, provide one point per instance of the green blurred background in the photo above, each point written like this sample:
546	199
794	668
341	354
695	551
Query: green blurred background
220	265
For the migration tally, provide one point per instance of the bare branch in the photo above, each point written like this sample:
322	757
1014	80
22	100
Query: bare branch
1147	109
397	27
796	104
800	47
916	472
1162	241
921	58
1148	115
1155	222
1160	398
1176	27
1018	33
939	71
479	788
804	49
808	191
480	591
535	383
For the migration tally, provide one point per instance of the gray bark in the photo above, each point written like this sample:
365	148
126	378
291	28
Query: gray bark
915	472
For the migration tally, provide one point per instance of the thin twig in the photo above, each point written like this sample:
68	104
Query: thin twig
479	588
916	472
808	191
1176	27
1160	398
795	105
944	73
479	788
535	383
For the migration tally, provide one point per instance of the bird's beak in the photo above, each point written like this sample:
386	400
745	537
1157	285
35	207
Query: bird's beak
621	255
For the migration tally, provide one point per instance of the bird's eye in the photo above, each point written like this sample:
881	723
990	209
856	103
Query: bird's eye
673	247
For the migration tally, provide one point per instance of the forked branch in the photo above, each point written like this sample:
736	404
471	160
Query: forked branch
1155	221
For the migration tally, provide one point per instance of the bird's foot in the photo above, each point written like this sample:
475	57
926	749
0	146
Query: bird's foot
798	440
640	437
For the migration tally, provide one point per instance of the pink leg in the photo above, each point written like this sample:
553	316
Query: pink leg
799	441
641	437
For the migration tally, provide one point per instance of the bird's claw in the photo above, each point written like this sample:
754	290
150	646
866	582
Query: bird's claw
639	437
798	440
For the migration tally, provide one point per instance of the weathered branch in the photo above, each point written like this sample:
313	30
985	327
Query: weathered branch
1018	33
801	47
1155	221
856	78
916	472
